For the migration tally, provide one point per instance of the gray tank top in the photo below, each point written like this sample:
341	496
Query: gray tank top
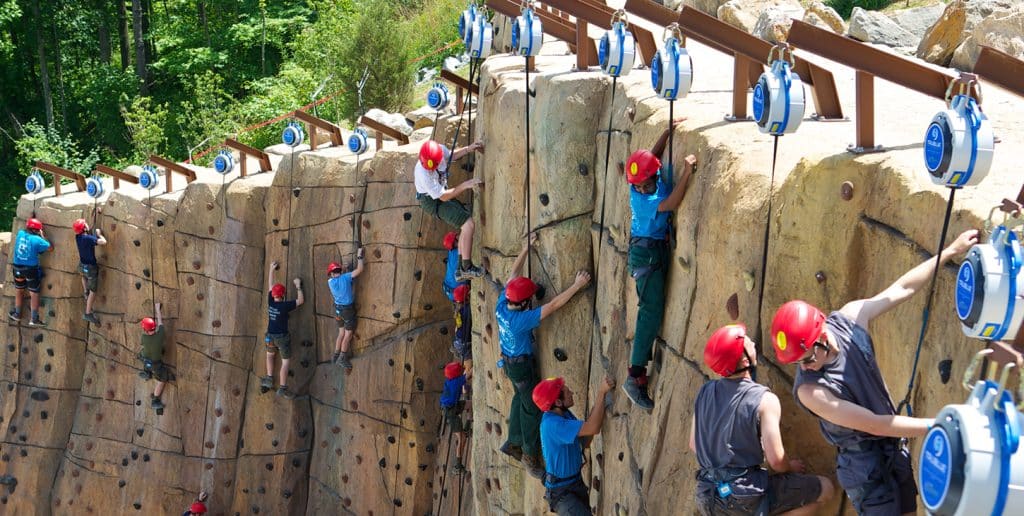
727	424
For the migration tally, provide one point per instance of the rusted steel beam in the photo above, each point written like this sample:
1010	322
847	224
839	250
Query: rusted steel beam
315	123
600	15
117	175
245	152
582	58
1001	69
172	168
459	82
79	179
380	129
554	25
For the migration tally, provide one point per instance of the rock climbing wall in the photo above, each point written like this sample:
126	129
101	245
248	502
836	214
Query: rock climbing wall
78	435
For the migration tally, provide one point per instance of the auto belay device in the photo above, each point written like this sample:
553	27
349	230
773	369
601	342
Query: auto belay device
617	49
466	22
224	163
779	96
94	187
357	142
481	35
959	142
34	183
527	34
672	67
148	178
988	288
969	462
293	135
437	97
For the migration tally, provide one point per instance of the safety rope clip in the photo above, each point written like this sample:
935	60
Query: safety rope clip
968	381
673	30
969	86
621	16
781	48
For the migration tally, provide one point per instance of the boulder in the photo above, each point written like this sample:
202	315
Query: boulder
827	15
953	27
396	121
875	27
917	20
707	6
1003	30
732	13
773	25
813	19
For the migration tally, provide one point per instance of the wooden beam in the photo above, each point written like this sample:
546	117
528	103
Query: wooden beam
117	175
380	129
245	152
557	26
59	172
172	168
315	123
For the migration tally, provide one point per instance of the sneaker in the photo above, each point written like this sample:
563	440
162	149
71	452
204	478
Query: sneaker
473	271
266	383
14	315
156	403
534	466
458	467
91	318
637	393
512	450
36	321
343	361
334	357
283	392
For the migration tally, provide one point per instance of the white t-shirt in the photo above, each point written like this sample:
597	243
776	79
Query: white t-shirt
429	181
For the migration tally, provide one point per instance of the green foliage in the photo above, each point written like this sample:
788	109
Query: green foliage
40	143
845	7
146	121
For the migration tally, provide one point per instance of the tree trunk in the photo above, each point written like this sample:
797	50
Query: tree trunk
202	20
147	15
140	47
44	72
103	34
59	69
122	31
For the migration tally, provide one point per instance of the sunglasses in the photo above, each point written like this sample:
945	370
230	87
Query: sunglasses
814	353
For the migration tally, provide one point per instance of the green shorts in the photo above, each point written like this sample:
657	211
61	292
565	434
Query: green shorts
155	369
91	274
454	416
453	212
279	341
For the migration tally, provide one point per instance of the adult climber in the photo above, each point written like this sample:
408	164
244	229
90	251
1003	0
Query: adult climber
87	264
453	405
652	199
28	245
451	262
434	196
516	321
278	339
735	427
838	380
563	438
152	356
340	282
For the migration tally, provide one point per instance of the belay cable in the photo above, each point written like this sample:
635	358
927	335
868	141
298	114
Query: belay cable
292	136
527	38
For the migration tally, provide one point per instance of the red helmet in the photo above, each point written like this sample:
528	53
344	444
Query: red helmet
148	324
546	392
34	224
449	240
460	293
198	508
334	266
278	290
453	370
520	289
795	328
431	155
641	166
79	226
725	349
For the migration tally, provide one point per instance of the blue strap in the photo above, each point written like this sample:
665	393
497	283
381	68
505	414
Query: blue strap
786	83
1013	257
528	19
1007	424
620	31
974	121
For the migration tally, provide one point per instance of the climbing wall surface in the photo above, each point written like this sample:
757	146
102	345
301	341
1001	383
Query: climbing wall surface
78	435
859	239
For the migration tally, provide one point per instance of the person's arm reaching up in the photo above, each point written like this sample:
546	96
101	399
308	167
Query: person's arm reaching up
299	298
675	198
359	263
159	316
582	278
100	239
593	424
517	266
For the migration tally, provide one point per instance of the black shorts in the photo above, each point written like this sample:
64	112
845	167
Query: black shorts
895	493
156	369
346	316
786	491
454	416
28	276
91	273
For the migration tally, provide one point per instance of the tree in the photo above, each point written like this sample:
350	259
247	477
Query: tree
140	47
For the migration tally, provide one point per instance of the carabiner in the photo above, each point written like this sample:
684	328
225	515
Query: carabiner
674	31
972	368
621	15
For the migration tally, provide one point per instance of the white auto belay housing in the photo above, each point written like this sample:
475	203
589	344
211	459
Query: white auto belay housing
224	163
357	142
34	183
527	34
779	97
481	34
672	67
959	143
617	49
988	288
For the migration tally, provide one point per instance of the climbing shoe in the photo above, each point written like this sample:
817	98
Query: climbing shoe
283	392
458	467
637	393
14	315
156	403
266	383
91	318
512	450
533	465
468	273
36	321
334	357
343	361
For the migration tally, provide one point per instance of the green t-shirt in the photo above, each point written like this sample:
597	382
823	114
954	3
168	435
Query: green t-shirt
153	345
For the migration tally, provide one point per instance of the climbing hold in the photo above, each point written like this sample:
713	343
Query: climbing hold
732	306
121	483
303	432
846	190
406	216
261	490
34	183
148	178
293	135
560	355
159	223
820	276
44	415
134	455
408	481
354	405
398	503
269	466
779	96
124	462
94	187
357	143
945	369
190	281
10	348
672	67
396	315
428	307
138	285
391	439
359	459
224	163
527	34
617	48
296	191
544	199
391	362
443	330
39	396
959	144
284	242
748	280
140	431
145	457
137	505
47	368
383	462
286	494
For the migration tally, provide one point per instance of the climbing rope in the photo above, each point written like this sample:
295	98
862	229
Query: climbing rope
291	195
927	306
767	225
529	198
152	262
444	468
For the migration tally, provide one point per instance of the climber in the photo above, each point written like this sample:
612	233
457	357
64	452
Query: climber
340	284
652	199
735	426
28	245
277	332
452	405
462	346
563	438
152	355
839	382
451	262
87	265
516	320
198	507
434	196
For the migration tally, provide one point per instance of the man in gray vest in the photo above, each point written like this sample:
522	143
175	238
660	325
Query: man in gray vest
735	426
839	382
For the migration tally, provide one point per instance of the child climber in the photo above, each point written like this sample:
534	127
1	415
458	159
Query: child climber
434	196
340	283
152	355
451	262
277	338
453	405
652	199
462	344
87	264
28	245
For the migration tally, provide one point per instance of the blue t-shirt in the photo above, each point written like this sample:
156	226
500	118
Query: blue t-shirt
452	392
86	248
27	248
648	222
451	265
341	289
515	328
277	312
561	445
463	324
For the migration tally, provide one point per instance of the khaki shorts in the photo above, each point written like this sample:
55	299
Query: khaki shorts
453	212
91	274
279	341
